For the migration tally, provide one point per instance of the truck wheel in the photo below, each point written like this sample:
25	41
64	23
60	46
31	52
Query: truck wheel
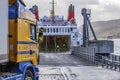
29	75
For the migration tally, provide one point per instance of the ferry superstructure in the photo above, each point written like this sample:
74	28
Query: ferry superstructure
60	34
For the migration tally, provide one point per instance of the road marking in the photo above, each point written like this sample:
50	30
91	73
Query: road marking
52	73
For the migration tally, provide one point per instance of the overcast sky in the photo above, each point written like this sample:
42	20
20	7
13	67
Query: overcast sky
102	10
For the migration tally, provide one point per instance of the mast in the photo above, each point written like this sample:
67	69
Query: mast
53	11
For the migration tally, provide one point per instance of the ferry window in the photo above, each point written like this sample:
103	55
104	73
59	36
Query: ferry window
54	30
78	43
32	32
57	30
51	30
71	29
45	30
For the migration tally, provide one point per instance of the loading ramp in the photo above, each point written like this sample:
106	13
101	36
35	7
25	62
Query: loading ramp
70	67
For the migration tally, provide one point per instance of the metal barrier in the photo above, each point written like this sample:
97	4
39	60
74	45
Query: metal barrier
111	61
86	53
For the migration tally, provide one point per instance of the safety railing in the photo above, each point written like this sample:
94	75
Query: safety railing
111	61
86	53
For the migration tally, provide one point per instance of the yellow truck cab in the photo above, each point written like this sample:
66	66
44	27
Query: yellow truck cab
22	35
21	42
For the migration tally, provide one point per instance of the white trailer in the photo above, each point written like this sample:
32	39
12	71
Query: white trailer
3	31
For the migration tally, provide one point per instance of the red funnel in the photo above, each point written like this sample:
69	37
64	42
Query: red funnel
71	14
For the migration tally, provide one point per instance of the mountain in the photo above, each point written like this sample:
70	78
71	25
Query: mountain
105	29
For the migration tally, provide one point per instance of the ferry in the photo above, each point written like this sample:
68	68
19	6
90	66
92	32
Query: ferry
60	34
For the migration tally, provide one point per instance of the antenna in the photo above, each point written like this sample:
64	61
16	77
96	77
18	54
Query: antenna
53	11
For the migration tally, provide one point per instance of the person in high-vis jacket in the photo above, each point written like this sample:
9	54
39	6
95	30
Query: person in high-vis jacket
40	38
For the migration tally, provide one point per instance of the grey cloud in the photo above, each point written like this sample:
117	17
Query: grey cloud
100	11
81	2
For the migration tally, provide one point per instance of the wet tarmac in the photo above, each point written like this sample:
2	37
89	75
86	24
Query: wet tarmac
61	66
